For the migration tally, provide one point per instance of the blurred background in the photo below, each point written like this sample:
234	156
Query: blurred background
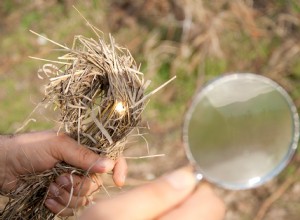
196	40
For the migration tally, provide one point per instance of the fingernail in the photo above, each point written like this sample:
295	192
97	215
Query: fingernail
50	203
123	179
63	181
54	190
104	164
181	179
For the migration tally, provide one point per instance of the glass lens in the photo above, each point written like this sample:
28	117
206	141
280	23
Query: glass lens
241	130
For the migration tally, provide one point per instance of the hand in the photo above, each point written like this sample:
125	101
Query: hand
171	197
40	151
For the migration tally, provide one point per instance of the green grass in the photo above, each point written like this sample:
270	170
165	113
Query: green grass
14	104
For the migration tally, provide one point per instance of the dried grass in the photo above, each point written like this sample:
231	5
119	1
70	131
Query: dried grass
100	92
206	30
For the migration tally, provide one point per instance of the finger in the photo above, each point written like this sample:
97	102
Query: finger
55	207
68	150
148	201
80	185
203	204
120	171
63	197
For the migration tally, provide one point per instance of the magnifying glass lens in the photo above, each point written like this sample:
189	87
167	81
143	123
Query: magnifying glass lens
242	130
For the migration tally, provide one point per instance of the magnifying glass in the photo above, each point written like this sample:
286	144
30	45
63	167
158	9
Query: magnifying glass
240	131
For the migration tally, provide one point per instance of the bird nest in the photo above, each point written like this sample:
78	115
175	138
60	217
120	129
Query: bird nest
100	93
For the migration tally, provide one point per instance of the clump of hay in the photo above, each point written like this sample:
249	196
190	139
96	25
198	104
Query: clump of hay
100	95
100	92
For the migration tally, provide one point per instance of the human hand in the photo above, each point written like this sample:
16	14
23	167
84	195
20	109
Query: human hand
40	151
171	197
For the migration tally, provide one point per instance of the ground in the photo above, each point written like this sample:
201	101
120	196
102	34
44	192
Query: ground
195	40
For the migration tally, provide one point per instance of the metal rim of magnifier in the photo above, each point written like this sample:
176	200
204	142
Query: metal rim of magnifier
292	146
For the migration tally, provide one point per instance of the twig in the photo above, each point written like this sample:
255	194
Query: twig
148	156
153	92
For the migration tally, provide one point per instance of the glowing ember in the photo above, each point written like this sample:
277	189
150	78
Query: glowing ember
120	108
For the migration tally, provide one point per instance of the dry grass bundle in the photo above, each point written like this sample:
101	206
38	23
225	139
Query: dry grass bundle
100	93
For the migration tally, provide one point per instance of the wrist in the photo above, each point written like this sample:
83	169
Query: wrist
4	139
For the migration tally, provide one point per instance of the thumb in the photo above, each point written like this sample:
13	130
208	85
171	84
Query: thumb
148	201
71	152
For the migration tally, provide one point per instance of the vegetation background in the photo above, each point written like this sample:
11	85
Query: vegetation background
196	40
